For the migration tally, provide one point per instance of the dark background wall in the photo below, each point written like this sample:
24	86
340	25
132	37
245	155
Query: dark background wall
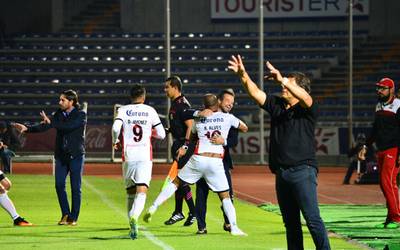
26	16
186	16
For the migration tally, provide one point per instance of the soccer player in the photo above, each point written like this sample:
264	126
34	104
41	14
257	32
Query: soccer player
206	162
7	204
226	99
139	123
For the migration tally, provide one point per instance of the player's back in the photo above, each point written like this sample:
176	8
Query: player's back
138	121
206	128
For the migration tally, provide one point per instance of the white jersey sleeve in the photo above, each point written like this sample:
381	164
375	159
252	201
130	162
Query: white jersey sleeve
138	121
218	123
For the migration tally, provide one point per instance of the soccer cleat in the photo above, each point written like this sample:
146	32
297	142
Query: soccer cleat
175	218
64	220
149	214
392	225
380	226
237	232
133	233
202	231
190	220
21	222
227	227
147	217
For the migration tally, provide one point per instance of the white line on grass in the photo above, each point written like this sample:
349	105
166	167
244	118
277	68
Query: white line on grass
250	196
109	203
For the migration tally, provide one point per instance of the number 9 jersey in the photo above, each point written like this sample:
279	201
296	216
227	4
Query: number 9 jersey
139	123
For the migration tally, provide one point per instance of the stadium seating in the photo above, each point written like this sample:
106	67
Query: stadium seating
37	67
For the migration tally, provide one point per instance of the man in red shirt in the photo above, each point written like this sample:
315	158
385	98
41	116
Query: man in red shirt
386	135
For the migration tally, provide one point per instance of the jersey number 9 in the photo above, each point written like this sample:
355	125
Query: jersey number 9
137	132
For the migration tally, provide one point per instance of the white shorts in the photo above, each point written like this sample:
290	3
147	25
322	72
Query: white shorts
209	168
137	172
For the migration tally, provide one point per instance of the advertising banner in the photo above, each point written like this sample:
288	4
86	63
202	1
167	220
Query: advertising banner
231	9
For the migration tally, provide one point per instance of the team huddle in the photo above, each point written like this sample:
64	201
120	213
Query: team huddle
141	123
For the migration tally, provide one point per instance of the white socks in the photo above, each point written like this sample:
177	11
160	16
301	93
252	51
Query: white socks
166	193
8	205
229	211
138	206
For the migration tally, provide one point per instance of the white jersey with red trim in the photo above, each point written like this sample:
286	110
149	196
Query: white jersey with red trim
138	121
206	128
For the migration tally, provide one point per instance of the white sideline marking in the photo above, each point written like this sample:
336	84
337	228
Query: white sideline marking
319	194
109	203
335	199
250	196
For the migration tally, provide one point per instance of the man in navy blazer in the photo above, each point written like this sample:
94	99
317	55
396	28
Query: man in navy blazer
70	122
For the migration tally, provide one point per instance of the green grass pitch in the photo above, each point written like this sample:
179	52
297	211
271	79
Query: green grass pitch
103	222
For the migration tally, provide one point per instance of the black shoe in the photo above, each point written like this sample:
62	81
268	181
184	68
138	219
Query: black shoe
227	227
190	220
202	231
174	218
21	222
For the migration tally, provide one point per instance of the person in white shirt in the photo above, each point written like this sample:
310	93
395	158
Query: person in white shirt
140	123
206	162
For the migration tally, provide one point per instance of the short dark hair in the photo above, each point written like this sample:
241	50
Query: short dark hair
71	95
302	80
175	81
226	91
210	100
137	91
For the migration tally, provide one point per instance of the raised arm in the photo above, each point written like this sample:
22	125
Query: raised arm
290	84
237	66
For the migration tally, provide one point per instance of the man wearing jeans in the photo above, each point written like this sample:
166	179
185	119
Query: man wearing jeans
70	123
291	151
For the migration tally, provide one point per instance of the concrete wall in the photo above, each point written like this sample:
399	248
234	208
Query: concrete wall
21	16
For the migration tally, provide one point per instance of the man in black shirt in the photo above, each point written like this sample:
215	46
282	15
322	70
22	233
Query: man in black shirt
180	125
291	151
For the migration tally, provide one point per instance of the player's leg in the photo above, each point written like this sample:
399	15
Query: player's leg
7	204
164	195
60	175
141	177
214	174
186	190
227	225
201	205
188	174
183	193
